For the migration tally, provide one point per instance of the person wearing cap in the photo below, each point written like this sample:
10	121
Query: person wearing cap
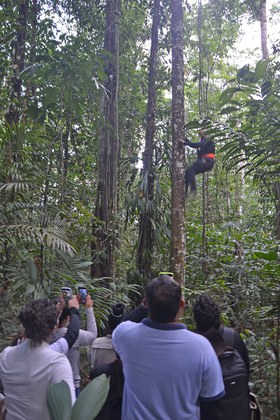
205	160
207	315
167	368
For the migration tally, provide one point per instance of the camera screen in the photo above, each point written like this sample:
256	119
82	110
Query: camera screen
83	294
67	293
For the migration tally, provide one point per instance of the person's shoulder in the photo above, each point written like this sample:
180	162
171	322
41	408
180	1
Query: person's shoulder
200	341
102	342
6	351
196	336
53	355
102	339
125	327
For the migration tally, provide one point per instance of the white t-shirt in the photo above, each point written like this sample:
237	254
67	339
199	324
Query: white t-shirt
167	369
85	338
26	372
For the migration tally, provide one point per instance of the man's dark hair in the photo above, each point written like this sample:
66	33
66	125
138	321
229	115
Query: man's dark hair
39	319
163	295
206	313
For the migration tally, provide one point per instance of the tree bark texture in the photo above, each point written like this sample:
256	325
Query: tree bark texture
263	25
18	61
104	223
178	156
146	234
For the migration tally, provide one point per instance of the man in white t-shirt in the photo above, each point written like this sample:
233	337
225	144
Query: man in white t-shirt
167	368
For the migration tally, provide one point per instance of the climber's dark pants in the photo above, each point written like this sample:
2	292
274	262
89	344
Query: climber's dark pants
198	167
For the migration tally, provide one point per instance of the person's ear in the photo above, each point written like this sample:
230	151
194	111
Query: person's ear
145	303
182	303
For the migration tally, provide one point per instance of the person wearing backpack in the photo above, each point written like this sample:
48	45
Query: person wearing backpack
233	357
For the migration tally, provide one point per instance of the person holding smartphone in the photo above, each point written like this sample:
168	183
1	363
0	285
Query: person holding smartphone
27	369
65	342
85	337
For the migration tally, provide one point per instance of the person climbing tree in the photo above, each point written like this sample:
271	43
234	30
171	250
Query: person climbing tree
205	159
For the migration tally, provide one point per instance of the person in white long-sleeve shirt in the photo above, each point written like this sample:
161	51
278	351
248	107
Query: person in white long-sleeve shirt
27	370
85	338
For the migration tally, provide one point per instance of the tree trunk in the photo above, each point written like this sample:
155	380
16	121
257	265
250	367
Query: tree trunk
104	223
146	234
178	156
18	60
263	24
277	208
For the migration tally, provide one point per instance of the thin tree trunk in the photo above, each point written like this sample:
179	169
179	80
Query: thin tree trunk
104	223
263	25
18	61
200	55
178	187
65	136
277	208
30	89
146	233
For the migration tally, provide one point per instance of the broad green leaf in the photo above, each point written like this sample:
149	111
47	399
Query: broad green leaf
260	69
228	94
228	110
266	88
193	124
59	401
91	399
242	72
83	264
271	255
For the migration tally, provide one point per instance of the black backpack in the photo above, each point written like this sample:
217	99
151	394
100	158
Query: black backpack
235	403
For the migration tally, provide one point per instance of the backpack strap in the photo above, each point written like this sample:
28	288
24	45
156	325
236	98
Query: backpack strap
228	334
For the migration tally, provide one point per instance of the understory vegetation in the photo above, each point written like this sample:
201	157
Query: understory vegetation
86	165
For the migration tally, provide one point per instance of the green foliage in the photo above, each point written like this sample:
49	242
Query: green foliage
256	114
49	159
87	405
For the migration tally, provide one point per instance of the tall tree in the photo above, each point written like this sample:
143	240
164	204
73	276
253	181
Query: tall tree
259	13
18	61
146	234
104	223
263	25
178	156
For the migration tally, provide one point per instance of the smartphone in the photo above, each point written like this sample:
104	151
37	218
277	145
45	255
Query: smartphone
67	293
83	295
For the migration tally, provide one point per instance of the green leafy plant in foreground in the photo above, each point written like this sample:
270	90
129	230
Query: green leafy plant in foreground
87	406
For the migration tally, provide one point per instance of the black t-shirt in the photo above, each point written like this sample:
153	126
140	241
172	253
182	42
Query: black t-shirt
203	147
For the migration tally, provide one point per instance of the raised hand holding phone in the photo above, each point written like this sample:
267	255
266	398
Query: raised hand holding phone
73	303
67	293
89	302
82	295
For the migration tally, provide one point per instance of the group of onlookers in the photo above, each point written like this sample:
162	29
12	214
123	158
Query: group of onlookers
158	369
